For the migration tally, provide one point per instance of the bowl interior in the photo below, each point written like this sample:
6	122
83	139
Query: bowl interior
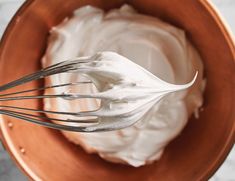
44	154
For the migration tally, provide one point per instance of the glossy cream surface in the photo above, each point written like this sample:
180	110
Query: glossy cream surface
158	47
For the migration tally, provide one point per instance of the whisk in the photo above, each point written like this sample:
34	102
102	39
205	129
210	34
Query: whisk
119	82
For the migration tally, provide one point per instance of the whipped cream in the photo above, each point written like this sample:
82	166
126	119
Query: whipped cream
154	45
126	90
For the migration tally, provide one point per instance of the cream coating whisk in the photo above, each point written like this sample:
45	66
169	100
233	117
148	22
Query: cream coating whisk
105	71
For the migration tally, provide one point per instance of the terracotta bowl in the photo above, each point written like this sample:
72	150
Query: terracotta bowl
44	154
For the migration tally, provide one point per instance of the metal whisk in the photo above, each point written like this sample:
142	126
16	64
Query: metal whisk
103	119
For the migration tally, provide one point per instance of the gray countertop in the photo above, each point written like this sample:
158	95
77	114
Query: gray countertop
8	170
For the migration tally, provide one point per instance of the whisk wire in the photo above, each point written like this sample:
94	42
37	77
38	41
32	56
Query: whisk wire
46	124
62	67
